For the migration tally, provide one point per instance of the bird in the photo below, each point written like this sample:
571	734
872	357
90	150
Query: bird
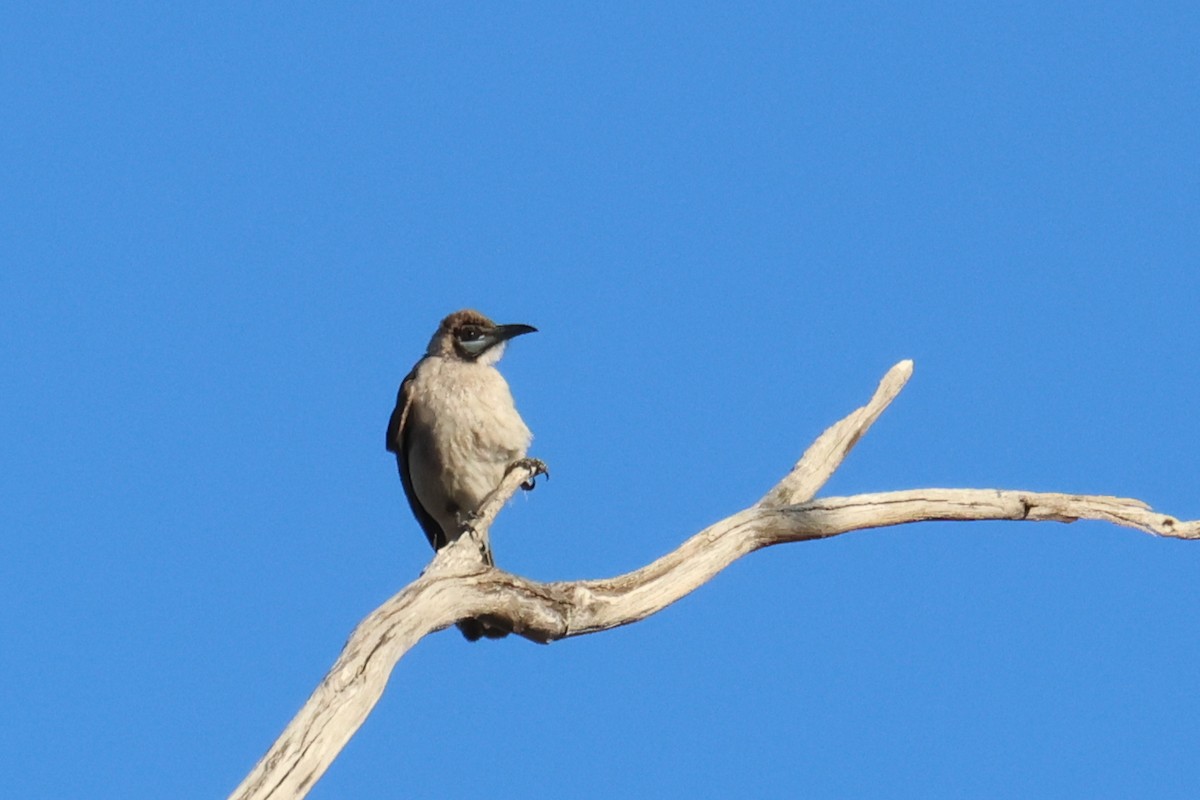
455	432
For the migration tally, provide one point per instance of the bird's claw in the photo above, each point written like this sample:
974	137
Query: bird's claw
536	466
467	522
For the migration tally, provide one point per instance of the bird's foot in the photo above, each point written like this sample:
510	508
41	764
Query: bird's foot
470	529
467	521
535	465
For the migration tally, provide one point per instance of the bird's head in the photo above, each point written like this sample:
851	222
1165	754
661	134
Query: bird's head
470	336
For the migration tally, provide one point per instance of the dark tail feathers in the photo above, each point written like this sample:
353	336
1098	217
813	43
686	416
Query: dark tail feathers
484	627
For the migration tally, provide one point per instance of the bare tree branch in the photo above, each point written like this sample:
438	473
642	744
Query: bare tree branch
825	455
456	585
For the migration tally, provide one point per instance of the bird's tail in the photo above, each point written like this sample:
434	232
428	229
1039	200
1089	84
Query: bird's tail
484	628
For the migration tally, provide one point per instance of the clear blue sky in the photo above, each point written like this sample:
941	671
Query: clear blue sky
227	233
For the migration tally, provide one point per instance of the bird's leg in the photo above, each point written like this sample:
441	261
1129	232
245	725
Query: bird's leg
536	465
468	521
467	525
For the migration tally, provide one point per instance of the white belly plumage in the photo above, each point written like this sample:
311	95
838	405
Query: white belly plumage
474	433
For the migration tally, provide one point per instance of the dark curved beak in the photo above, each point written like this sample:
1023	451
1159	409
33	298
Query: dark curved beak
505	332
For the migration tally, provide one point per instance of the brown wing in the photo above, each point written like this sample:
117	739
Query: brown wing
398	443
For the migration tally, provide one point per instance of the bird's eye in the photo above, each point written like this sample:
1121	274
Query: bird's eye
469	334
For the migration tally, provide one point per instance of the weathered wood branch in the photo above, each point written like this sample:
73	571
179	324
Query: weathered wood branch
456	585
826	454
